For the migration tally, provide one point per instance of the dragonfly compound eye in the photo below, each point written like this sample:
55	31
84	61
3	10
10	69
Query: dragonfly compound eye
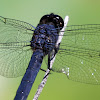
56	20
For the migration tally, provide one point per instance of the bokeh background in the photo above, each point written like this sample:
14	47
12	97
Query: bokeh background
58	87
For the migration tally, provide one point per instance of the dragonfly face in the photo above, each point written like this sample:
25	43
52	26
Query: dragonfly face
56	20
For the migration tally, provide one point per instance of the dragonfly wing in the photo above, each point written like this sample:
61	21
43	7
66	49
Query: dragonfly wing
14	59
79	54
12	30
15	50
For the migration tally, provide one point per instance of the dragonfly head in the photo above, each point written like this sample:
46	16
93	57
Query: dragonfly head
56	20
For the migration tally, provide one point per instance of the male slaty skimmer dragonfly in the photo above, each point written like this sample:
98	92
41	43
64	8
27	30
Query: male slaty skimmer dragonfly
23	47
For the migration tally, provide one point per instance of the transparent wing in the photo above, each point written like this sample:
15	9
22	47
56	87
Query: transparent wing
79	54
15	50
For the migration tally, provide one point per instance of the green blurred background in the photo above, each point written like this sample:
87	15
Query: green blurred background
58	87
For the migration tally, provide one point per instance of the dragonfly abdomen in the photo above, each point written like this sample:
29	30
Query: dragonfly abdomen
30	75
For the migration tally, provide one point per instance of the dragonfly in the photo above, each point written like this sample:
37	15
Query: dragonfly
23	48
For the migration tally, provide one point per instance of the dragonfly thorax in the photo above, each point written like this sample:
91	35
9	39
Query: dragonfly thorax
44	38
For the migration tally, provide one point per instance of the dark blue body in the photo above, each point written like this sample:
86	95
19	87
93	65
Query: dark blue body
42	43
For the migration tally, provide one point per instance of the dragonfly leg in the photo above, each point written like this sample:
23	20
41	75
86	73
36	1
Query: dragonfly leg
43	70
